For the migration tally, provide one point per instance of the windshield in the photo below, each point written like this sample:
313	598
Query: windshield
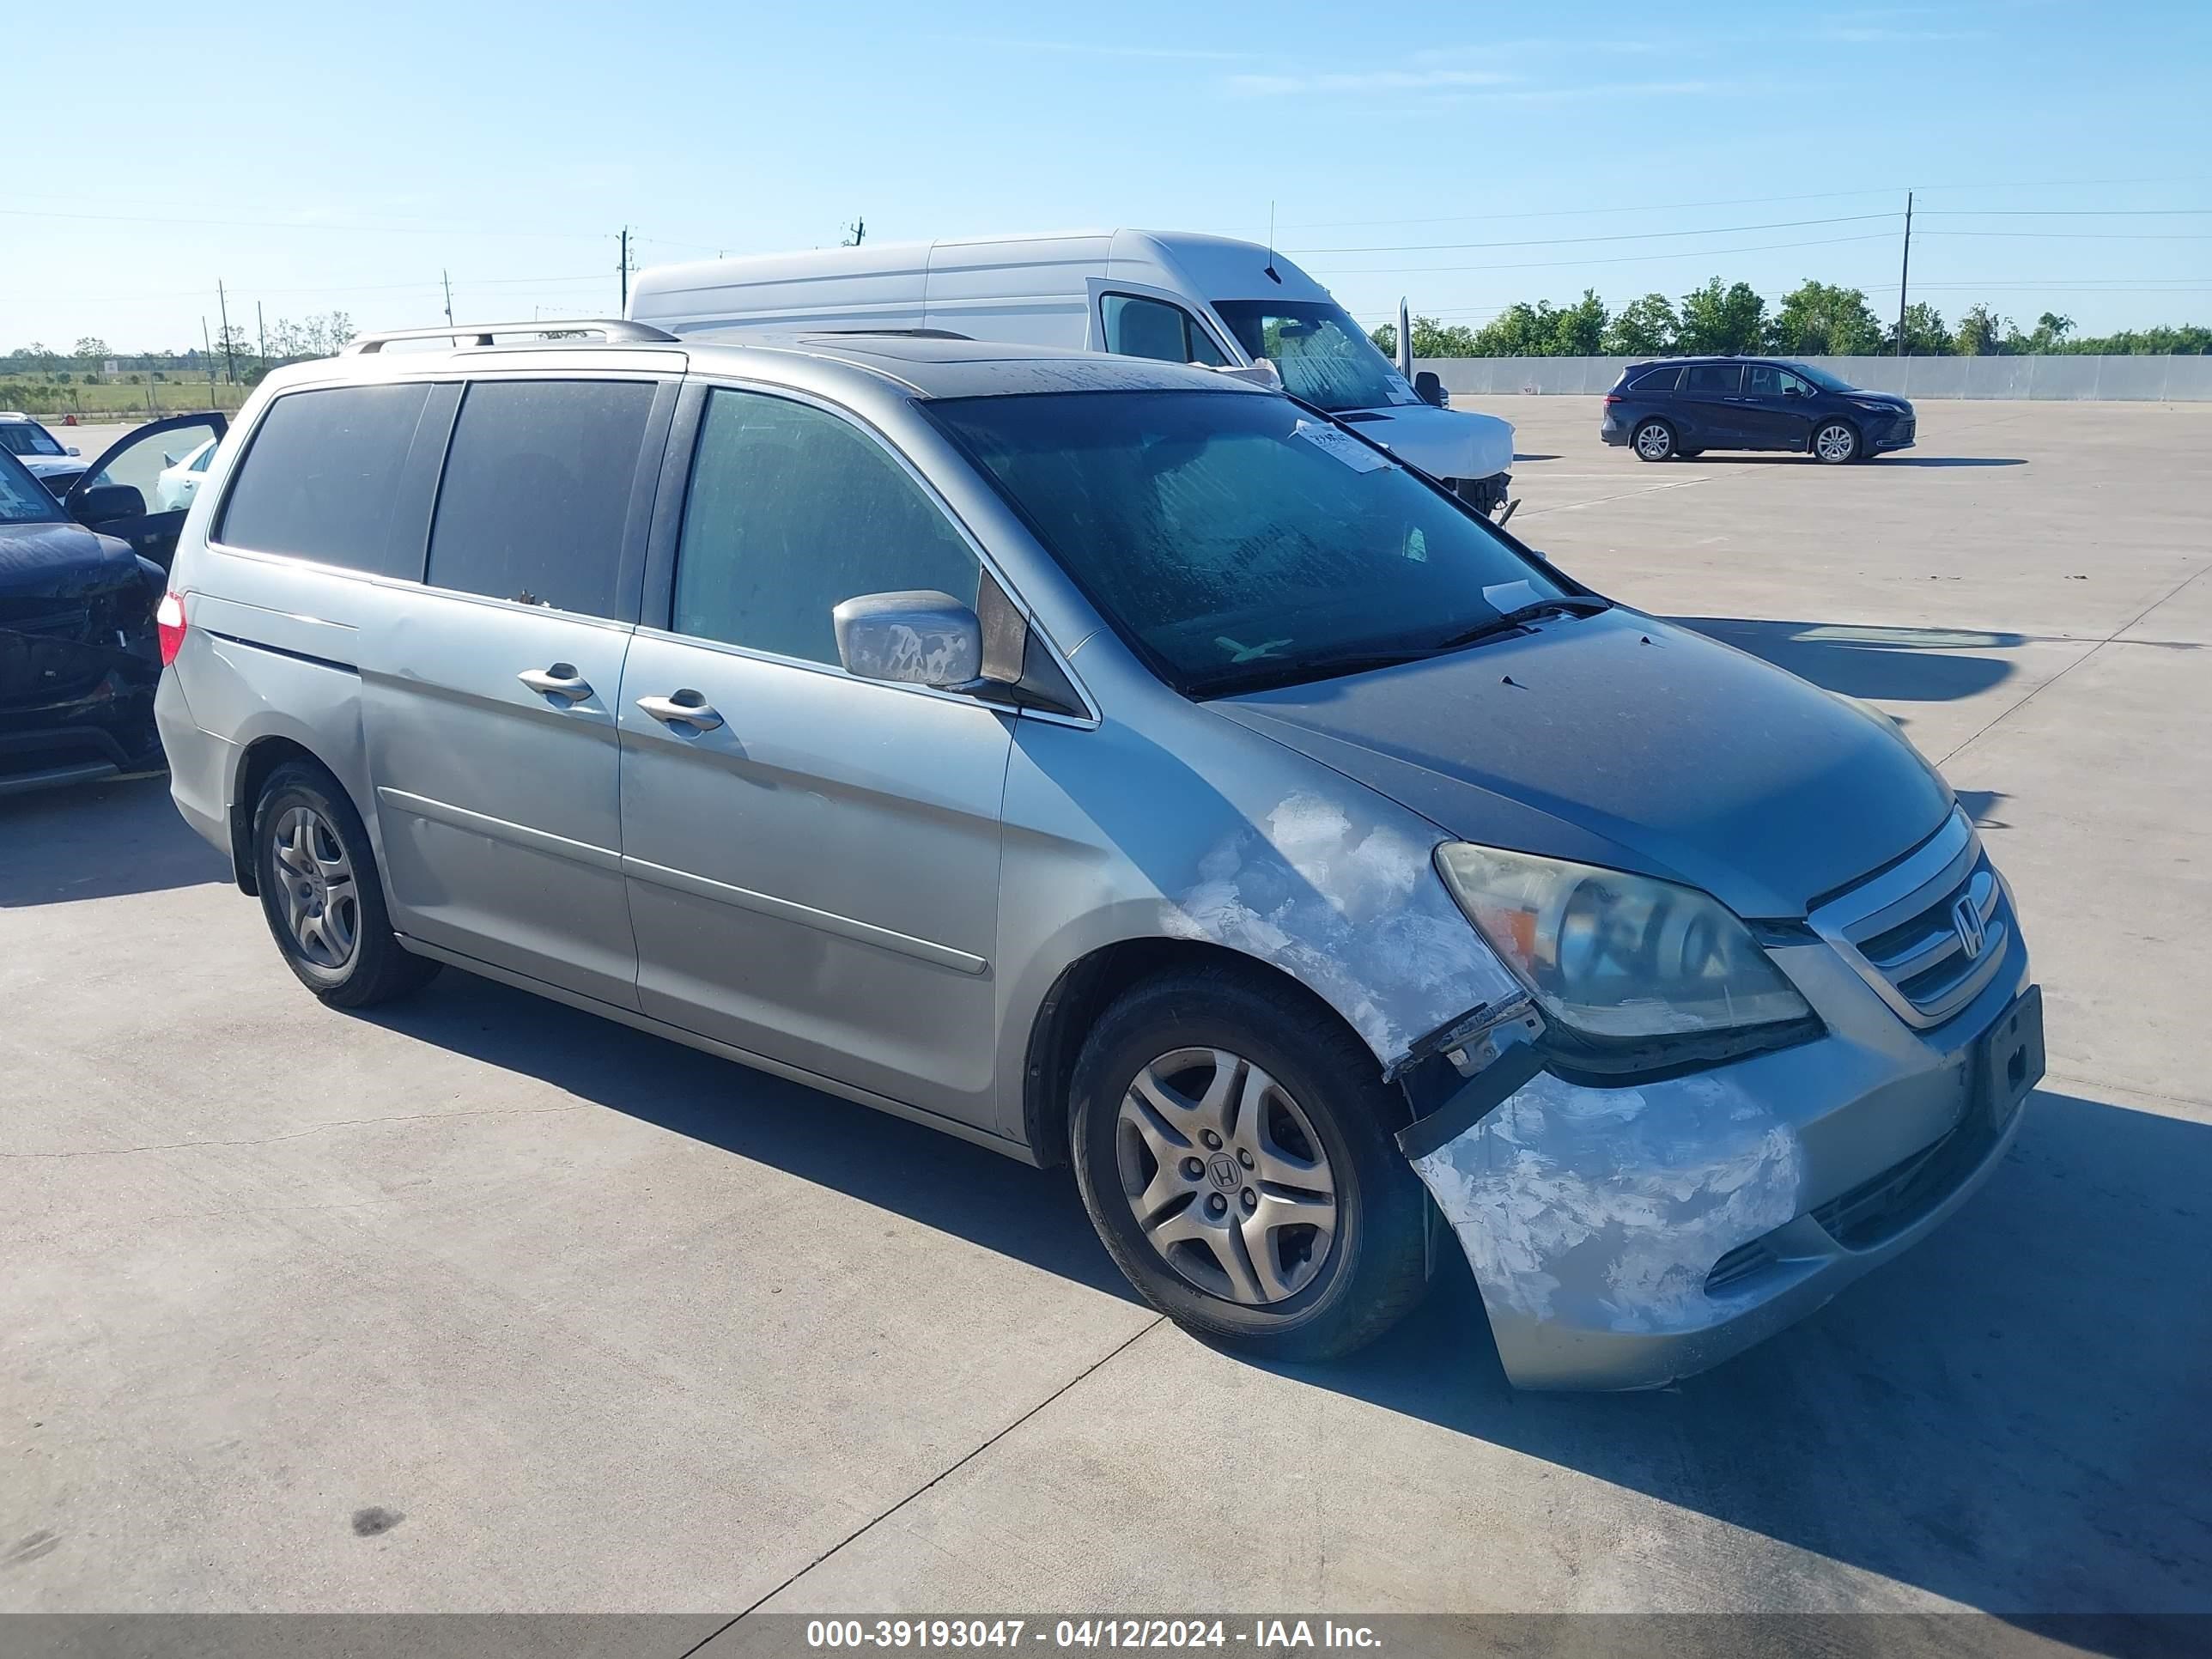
1820	377
1322	356
28	438
23	498
1235	541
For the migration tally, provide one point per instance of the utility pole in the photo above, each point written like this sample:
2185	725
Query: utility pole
261	328
446	278
1904	273
856	232
622	265
208	351
229	357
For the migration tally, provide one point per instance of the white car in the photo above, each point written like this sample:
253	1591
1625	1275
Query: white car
179	481
52	462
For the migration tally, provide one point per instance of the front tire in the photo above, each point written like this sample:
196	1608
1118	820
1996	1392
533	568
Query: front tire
1235	1153
1835	443
321	894
1653	441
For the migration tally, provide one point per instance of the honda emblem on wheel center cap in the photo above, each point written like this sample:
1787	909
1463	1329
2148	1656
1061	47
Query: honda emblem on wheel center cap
1222	1168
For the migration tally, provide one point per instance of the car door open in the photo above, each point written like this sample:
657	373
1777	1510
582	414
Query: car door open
120	493
812	856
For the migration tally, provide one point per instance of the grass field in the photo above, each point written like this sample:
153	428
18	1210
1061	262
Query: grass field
40	395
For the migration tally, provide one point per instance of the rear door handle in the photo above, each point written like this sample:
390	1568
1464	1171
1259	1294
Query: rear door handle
560	680
686	707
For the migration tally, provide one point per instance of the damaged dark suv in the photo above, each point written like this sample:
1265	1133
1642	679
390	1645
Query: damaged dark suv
78	657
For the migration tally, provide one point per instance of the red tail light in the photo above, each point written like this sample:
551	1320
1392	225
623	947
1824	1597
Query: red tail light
169	625
1612	398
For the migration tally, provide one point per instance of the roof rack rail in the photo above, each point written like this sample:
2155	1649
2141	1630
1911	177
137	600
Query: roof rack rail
613	329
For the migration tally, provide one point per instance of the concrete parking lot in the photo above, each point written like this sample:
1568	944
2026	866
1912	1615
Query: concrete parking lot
479	1303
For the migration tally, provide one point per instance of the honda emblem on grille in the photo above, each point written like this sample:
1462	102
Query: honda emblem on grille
1968	919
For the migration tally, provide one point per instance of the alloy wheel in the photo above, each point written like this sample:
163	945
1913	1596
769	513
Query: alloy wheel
322	902
1835	442
1226	1176
1653	441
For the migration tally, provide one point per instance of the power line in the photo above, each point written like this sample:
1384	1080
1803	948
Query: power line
2063	213
303	224
1622	259
2088	235
1749	201
1619	236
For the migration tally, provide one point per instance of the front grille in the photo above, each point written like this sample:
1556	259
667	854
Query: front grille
1904	433
1929	933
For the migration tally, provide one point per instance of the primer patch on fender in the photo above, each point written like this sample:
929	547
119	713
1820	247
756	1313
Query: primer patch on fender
1608	1207
1355	910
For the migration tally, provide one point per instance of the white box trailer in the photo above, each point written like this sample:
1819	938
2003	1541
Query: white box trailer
1176	295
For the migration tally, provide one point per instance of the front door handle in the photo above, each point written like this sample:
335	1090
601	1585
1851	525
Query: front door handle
560	680
686	707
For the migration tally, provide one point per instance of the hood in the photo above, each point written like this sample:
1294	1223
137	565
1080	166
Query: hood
62	560
1621	740
1451	443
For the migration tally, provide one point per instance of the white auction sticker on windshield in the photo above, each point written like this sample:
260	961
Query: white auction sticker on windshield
1342	445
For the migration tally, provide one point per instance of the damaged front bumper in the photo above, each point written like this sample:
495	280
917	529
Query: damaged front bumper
1624	1236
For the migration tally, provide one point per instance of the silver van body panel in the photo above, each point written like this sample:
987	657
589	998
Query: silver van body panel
874	888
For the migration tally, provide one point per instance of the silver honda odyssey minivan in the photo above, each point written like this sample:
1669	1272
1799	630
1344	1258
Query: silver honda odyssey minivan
1112	763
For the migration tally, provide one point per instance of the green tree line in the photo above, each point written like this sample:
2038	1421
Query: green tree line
1814	320
288	342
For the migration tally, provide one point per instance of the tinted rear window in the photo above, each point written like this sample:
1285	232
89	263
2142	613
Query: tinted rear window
1712	377
321	479
536	491
1659	379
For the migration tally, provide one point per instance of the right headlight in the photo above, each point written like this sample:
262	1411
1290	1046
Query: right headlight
1613	956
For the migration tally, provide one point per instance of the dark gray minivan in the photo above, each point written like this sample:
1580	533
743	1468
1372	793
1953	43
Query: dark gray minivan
1116	763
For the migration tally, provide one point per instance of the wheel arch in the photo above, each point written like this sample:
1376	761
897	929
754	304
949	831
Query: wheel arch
1857	432
256	763
1674	431
1085	989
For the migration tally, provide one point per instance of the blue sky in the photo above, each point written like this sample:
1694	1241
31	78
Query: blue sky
1464	155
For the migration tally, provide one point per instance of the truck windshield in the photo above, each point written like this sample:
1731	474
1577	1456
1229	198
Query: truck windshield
23	498
1236	542
1322	356
28	438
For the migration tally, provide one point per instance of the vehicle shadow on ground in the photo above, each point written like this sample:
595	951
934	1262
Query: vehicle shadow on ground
2010	1415
1910	665
910	1169
97	840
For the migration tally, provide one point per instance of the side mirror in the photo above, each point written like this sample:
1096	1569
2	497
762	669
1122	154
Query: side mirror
920	637
1429	389
105	503
72	450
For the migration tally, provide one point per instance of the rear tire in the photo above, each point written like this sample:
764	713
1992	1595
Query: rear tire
1652	440
321	894
1301	1233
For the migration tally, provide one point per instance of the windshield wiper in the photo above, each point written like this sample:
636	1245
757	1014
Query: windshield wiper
1265	674
1569	604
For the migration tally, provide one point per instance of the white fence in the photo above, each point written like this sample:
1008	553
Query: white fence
2134	379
